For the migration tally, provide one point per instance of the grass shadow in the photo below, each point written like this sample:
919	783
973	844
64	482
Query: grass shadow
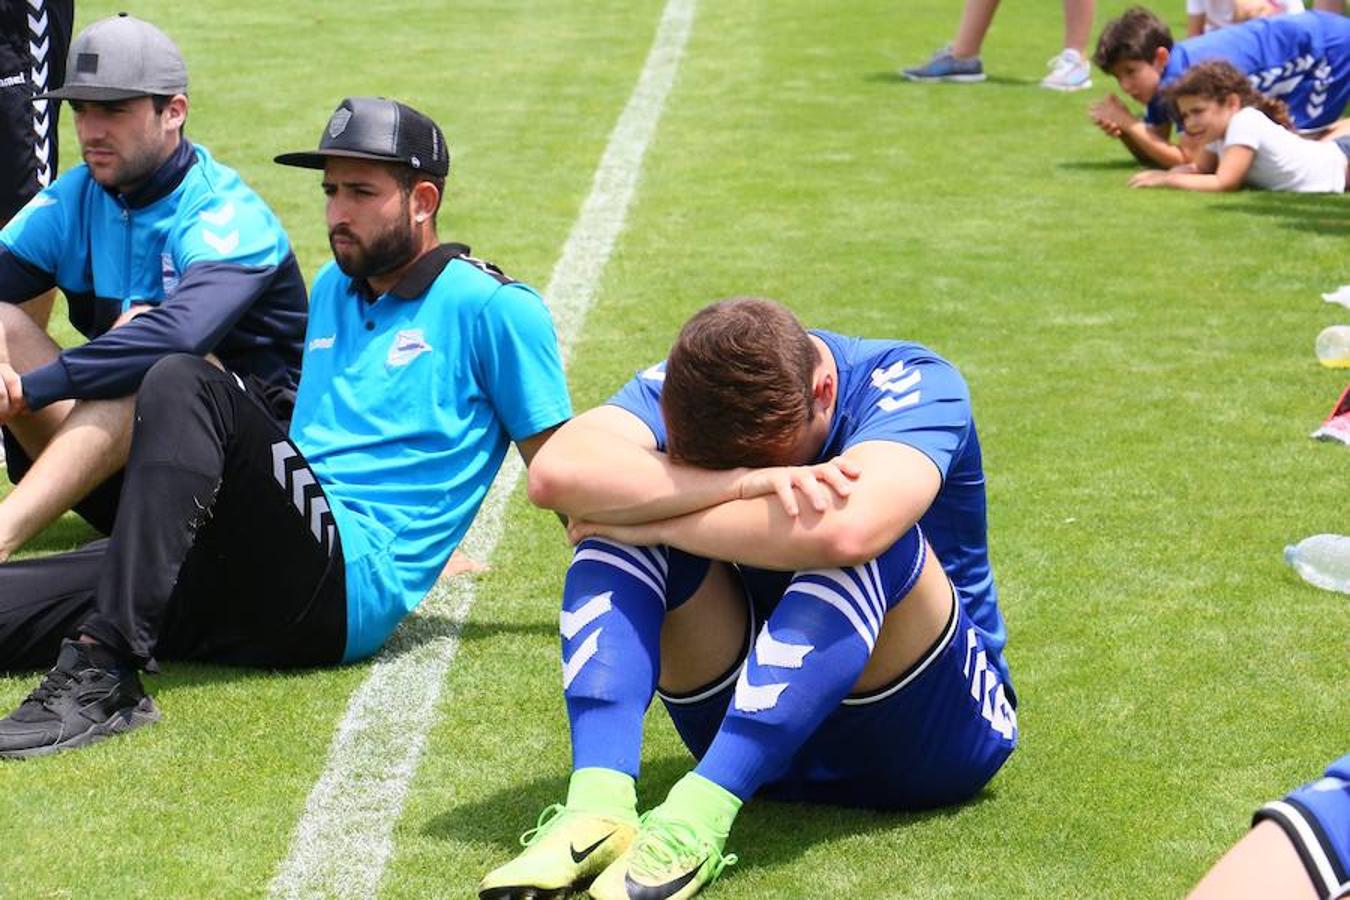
1315	213
895	77
1098	165
419	630
499	818
768	833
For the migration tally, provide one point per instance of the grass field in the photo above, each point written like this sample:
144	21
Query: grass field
1142	371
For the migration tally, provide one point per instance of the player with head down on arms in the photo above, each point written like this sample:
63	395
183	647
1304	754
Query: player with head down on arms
782	534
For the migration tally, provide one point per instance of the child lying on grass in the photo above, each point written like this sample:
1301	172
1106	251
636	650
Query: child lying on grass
1236	136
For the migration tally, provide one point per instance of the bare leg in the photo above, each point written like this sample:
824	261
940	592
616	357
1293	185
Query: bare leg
25	346
91	445
39	309
702	639
74	446
975	21
910	628
1078	24
1262	864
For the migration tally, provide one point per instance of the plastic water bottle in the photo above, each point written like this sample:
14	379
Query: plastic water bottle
1322	560
1333	346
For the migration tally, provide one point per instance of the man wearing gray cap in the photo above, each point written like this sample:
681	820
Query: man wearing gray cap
239	541
159	249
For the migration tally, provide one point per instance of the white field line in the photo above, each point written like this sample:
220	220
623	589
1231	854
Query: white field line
344	837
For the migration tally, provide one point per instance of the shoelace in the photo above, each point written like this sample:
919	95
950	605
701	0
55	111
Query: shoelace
546	820
53	683
668	844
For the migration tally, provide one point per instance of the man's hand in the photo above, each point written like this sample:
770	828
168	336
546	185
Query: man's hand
815	482
130	313
11	397
1111	115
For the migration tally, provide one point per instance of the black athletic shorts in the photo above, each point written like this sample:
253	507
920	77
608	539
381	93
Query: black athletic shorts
34	40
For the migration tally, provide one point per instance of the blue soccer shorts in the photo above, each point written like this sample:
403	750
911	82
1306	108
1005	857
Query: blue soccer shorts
1316	818
933	737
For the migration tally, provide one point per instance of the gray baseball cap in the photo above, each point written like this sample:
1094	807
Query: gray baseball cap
120	58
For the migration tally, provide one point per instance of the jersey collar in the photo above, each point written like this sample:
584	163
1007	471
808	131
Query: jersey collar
417	280
165	179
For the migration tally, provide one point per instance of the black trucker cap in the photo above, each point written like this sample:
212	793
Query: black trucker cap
379	129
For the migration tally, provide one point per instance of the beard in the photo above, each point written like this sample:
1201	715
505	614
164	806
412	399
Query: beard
131	169
385	251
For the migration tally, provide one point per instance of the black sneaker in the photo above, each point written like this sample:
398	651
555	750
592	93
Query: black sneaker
78	703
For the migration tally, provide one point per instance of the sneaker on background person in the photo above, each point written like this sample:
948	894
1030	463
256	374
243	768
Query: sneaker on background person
946	66
1069	71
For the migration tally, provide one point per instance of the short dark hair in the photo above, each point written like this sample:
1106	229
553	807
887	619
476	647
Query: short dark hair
739	385
408	178
160	102
1136	35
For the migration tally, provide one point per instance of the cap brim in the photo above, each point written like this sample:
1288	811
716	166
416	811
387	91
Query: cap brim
90	92
317	159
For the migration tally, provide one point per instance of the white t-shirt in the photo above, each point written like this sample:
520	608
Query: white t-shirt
1219	13
1284	161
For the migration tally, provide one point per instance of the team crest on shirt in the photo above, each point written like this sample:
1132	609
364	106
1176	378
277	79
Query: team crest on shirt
407	346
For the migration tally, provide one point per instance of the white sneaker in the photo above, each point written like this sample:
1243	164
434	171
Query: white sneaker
1068	72
1341	296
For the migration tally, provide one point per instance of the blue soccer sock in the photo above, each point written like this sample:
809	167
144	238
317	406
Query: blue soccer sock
806	658
614	601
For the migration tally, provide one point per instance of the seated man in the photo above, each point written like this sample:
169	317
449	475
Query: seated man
236	543
1303	60
783	534
159	249
1298	847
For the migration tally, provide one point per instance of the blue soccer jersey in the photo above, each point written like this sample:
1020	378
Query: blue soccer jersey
1316	818
406	407
905	393
1301	59
195	244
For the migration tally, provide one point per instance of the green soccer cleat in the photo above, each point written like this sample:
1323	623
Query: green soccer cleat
566	850
676	854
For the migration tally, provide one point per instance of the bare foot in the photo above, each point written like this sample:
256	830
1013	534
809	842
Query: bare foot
462	564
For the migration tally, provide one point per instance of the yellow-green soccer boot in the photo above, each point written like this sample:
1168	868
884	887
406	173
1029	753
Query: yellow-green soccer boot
571	844
678	850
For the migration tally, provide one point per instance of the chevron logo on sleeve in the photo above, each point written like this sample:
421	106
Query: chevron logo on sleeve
39	45
901	386
306	496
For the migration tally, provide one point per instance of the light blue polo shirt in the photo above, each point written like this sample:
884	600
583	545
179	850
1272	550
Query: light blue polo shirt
406	407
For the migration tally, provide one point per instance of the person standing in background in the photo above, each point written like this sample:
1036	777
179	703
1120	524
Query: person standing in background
959	61
34	38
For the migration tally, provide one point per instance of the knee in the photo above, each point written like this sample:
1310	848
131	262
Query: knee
16	329
170	380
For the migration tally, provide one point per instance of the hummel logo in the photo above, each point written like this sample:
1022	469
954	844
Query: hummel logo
579	856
